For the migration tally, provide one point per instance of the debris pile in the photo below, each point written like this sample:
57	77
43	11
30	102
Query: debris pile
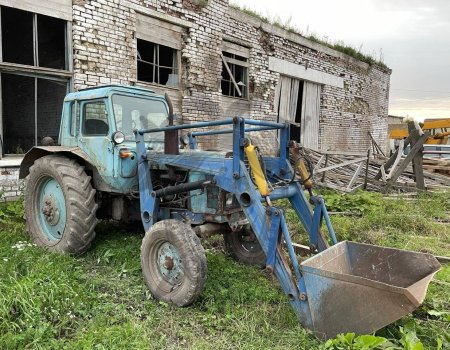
349	171
437	165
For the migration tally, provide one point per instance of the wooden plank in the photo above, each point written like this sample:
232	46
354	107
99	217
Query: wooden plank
237	62
391	160
309	132
412	153
443	259
54	8
159	32
285	97
355	176
231	75
343	153
235	49
417	162
301	72
396	162
319	163
166	17
340	165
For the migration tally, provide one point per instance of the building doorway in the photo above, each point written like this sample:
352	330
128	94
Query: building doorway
298	102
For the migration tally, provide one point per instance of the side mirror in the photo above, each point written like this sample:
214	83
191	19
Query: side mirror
118	137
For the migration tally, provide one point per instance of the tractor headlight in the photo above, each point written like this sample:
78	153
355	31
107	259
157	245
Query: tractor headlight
118	137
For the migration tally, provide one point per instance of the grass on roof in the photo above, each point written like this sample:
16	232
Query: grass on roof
335	45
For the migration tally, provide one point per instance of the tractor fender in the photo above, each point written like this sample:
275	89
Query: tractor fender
71	152
41	151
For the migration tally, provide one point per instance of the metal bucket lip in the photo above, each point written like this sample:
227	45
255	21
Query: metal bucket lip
306	268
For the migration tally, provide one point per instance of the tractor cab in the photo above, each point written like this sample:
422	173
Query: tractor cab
101	112
99	122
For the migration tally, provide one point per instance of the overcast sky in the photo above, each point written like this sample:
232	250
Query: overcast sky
412	36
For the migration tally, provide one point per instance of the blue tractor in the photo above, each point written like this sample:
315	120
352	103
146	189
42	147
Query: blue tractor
119	156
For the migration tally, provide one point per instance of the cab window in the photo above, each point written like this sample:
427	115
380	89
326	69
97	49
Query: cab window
95	119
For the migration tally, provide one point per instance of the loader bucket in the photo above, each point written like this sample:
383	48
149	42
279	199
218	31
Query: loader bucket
354	287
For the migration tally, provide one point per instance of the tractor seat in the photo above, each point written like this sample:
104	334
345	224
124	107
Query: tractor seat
95	127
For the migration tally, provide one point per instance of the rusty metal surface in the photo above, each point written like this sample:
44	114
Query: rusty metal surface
171	141
354	287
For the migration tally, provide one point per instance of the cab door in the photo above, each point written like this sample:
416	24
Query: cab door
96	128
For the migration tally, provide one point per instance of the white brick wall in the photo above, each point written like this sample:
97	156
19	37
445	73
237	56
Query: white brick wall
104	44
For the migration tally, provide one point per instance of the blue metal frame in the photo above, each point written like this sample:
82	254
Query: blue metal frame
230	174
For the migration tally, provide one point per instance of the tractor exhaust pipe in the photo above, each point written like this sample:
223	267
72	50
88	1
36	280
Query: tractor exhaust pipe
171	145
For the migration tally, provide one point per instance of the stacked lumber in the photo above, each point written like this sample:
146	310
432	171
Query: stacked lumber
343	175
437	165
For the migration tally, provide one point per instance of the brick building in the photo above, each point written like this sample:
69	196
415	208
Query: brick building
213	60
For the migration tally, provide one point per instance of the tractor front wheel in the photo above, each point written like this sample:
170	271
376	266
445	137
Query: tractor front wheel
173	262
243	246
60	206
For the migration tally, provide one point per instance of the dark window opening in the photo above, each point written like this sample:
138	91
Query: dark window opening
50	97
238	72
296	128
298	113
24	125
17	36
18	113
19	31
156	63
51	42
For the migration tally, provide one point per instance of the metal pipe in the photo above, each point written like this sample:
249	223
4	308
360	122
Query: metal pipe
186	126
171	141
282	192
229	131
435	152
186	187
264	123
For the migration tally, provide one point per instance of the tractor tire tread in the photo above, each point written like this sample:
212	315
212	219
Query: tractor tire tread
80	204
194	259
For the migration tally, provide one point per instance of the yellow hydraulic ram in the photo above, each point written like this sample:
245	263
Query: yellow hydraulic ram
304	174
257	171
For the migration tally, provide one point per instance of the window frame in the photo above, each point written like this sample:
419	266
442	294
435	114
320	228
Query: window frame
63	75
35	26
83	119
230	64
157	66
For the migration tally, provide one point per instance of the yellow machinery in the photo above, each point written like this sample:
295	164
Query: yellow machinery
439	131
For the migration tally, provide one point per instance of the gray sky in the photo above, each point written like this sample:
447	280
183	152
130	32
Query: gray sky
412	37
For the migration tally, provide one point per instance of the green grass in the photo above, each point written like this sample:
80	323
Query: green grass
99	300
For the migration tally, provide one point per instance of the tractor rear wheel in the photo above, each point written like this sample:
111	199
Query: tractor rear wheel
60	205
173	262
243	246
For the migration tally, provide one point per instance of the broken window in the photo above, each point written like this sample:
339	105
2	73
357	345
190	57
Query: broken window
157	63
32	39
31	111
234	81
